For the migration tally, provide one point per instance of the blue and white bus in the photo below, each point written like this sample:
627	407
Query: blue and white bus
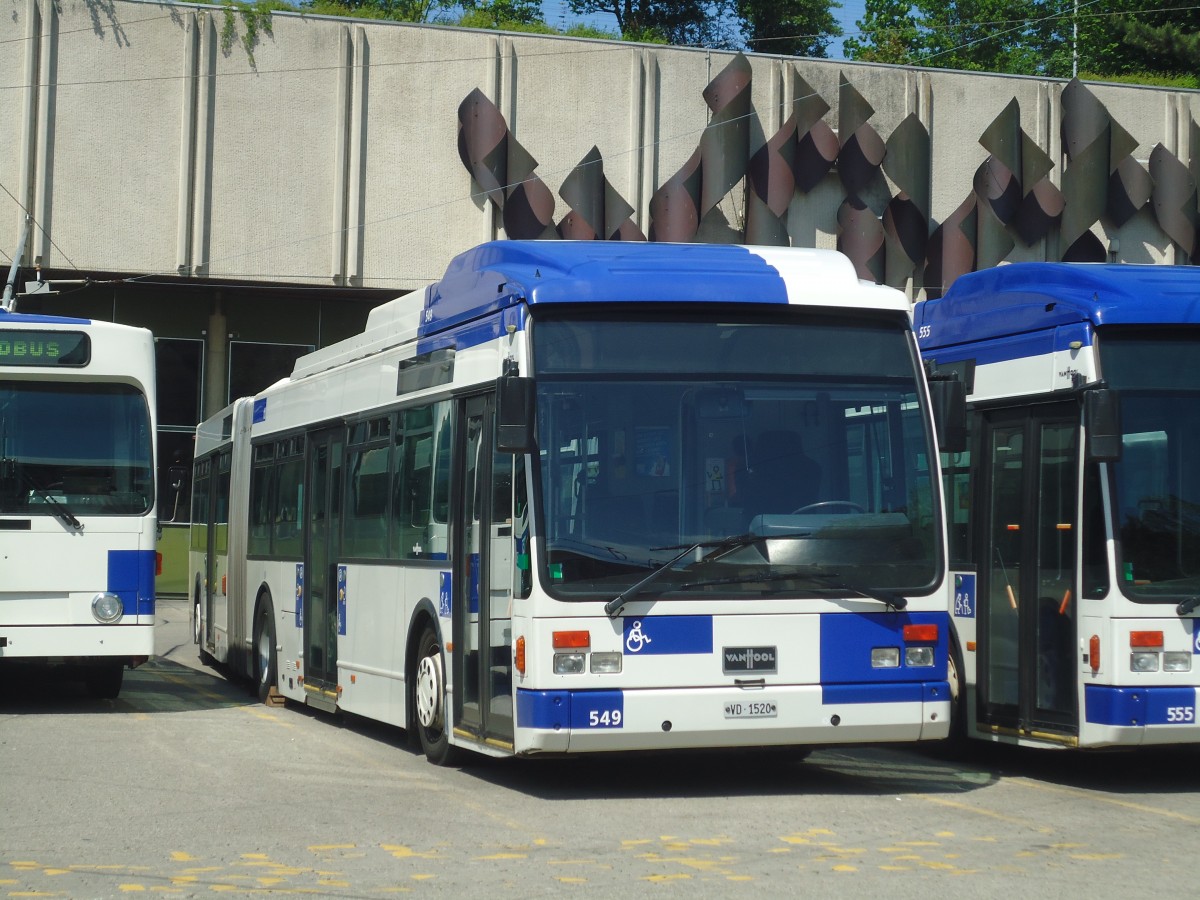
1074	514
593	496
77	509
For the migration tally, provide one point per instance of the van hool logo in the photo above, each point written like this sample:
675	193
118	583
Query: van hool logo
749	659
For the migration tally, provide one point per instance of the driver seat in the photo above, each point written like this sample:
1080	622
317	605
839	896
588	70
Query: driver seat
781	476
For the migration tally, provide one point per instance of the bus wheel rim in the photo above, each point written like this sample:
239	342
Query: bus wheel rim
264	655
429	691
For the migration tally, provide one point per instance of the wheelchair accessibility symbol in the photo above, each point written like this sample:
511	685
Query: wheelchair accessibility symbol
635	640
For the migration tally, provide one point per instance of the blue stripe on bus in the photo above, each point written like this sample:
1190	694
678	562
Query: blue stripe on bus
1130	706
558	710
904	692
11	318
1011	347
668	635
131	577
847	640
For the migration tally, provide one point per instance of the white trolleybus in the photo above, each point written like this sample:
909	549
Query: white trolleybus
593	496
1075	513
77	514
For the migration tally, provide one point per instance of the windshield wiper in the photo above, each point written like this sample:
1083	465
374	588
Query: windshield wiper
1186	606
60	511
890	599
715	548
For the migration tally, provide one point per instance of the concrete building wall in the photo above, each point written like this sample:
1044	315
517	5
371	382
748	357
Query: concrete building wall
144	140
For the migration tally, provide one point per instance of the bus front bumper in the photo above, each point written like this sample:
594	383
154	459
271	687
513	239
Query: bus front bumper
802	716
63	642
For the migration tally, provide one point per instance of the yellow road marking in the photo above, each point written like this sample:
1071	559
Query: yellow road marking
1100	798
990	813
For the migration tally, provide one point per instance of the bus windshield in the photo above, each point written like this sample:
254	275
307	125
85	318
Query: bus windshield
1157	480
803	433
74	449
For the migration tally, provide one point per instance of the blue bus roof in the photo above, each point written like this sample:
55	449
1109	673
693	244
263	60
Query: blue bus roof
1026	297
498	273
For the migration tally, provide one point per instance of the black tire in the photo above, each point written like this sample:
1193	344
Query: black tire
428	696
104	680
954	747
265	656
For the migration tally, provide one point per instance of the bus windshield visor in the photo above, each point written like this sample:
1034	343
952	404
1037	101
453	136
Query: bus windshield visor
74	449
802	435
1157	479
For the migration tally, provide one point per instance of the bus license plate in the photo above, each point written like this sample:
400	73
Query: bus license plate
751	709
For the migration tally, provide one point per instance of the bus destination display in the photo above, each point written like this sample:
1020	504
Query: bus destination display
26	347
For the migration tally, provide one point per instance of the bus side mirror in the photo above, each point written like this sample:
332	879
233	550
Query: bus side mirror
948	397
514	414
1102	424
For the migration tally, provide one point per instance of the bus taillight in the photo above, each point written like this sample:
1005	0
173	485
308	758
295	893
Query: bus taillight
519	661
1094	653
1146	639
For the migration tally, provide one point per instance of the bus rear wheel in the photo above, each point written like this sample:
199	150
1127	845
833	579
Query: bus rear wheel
264	651
429	702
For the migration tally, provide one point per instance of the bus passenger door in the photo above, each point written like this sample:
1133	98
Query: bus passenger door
1027	579
482	529
321	609
216	609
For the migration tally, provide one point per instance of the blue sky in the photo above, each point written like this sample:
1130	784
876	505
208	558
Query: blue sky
559	14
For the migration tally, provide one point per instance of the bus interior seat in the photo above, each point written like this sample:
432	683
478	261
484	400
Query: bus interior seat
781	477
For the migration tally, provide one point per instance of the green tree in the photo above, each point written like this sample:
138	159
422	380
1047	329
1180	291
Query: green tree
1130	36
975	35
396	10
887	33
1057	38
692	23
789	27
504	12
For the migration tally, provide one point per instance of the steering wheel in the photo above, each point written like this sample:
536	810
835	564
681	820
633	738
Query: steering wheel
847	505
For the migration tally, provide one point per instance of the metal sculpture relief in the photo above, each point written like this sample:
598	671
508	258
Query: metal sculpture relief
1098	154
598	211
906	218
1011	196
860	232
504	169
679	206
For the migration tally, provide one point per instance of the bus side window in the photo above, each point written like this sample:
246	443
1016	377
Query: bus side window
289	508
1094	568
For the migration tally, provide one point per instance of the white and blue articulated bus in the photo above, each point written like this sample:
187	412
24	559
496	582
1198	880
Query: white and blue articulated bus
1074	512
583	497
77	509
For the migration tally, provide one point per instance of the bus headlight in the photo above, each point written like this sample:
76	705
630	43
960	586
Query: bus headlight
1143	662
1175	661
885	657
918	656
568	664
107	607
606	663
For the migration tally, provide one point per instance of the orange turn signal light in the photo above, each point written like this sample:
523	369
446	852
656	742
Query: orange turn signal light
1094	653
520	655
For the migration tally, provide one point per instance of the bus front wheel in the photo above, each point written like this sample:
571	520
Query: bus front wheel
264	651
429	699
